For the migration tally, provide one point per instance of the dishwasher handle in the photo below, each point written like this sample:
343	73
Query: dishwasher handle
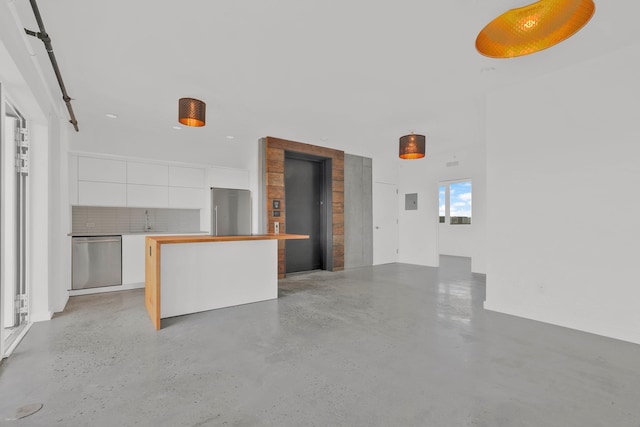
77	241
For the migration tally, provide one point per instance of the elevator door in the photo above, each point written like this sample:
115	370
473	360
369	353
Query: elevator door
303	214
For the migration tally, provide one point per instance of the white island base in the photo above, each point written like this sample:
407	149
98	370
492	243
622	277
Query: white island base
189	274
205	276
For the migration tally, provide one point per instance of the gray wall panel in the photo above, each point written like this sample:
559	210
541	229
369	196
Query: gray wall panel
358	211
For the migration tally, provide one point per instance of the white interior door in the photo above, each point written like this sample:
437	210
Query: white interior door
385	223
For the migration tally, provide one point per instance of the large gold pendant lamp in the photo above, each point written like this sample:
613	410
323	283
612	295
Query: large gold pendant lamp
191	112
412	146
534	27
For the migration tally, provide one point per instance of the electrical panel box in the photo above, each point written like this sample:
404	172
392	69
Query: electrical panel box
411	202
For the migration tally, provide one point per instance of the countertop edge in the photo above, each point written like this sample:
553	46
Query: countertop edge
137	233
208	238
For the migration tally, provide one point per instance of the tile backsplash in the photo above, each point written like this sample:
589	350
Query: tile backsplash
93	219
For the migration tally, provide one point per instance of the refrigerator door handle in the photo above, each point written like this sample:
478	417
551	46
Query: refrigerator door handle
215	212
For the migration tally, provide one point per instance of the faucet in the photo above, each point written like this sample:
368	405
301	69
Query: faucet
147	226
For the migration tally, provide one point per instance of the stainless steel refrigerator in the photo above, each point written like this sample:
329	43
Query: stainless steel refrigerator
230	212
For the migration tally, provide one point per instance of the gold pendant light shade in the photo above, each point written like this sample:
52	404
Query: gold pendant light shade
412	146
191	112
534	27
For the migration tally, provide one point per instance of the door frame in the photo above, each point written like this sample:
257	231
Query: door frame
21	206
2	219
271	188
326	194
376	221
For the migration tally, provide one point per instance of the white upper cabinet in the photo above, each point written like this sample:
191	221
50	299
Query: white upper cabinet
187	198
102	170
96	181
147	174
73	179
147	196
102	193
186	177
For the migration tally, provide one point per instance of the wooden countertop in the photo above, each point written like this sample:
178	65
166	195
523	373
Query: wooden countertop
199	238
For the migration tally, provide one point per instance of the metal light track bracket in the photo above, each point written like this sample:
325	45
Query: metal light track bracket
42	35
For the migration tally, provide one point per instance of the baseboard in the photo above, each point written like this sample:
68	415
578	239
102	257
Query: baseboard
550	321
41	317
127	287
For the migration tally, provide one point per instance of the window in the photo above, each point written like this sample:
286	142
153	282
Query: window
442	195
455	202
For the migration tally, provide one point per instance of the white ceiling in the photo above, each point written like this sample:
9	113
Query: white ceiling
354	75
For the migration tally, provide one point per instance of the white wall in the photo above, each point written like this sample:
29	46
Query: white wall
38	232
562	162
59	214
23	83
419	229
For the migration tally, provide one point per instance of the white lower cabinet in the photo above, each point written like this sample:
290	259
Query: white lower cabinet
101	193
133	259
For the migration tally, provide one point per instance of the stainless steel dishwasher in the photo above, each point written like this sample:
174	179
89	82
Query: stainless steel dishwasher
96	262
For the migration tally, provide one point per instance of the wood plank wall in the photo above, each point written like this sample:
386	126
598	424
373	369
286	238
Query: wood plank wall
275	152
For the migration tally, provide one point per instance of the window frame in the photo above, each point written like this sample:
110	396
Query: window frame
446	220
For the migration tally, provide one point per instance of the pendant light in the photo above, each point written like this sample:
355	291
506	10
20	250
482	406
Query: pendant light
532	28
191	112
412	146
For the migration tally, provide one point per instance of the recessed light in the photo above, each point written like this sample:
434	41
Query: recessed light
230	137
111	116
177	128
324	138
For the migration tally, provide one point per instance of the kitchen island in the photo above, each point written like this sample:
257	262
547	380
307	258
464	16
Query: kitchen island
192	273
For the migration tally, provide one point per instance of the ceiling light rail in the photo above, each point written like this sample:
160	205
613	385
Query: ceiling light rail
42	35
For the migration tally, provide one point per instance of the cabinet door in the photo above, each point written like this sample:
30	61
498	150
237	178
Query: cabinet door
101	194
147	196
187	198
102	170
186	177
73	179
147	173
133	259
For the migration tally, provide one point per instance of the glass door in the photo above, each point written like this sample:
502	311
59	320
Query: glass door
14	163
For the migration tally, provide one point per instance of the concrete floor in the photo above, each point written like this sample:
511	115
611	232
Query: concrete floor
392	345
